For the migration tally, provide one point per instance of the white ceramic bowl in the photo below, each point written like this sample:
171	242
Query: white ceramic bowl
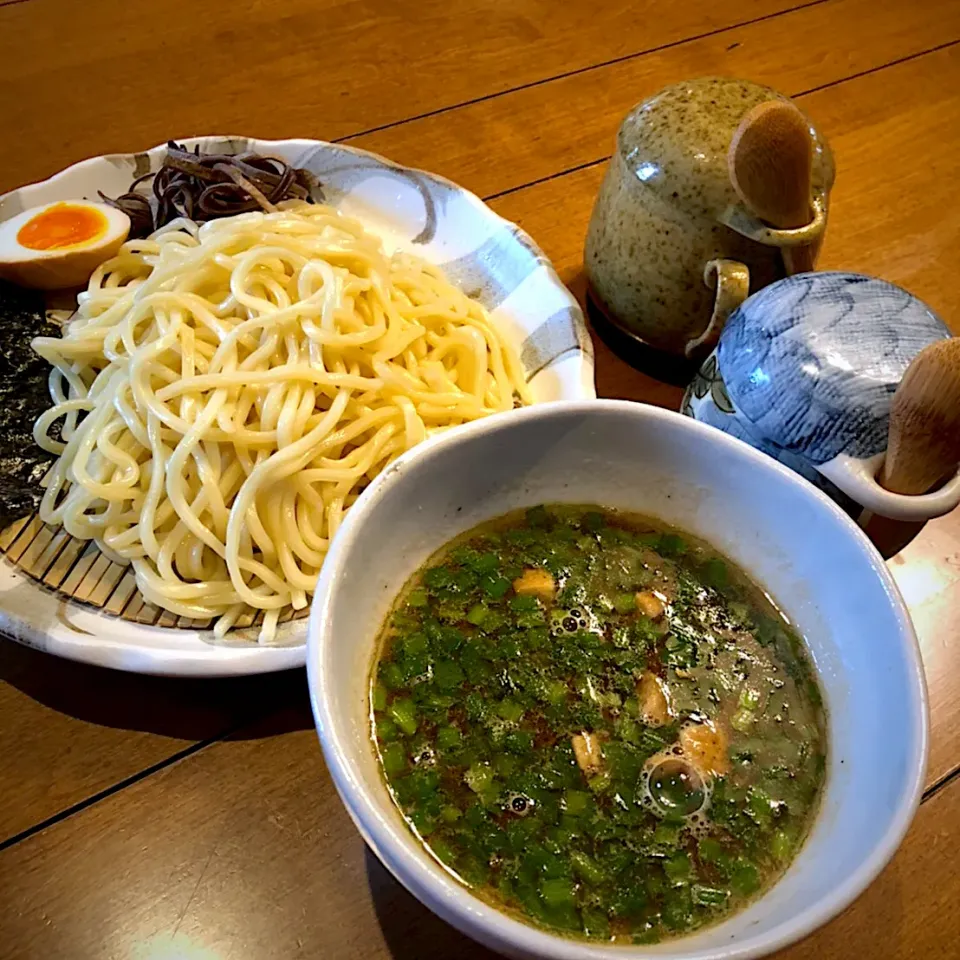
794	541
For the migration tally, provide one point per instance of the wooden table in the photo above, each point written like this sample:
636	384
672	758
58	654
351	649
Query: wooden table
151	819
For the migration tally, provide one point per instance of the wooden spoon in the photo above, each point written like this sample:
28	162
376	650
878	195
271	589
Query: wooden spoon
771	163
923	445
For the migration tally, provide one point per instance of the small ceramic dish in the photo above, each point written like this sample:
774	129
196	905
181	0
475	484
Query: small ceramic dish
805	371
788	536
64	597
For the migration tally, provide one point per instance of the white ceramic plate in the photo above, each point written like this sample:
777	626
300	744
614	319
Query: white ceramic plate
489	258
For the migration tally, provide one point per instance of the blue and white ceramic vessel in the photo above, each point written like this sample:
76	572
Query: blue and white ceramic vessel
805	371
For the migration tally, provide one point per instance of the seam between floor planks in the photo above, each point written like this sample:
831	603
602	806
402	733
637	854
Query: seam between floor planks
646	51
600	65
796	96
120	785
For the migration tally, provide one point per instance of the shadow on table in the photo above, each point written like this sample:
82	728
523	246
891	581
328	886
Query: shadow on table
186	709
624	369
410	930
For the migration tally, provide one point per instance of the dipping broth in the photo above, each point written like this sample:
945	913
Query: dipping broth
598	725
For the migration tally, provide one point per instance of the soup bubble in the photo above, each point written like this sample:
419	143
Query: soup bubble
671	786
676	787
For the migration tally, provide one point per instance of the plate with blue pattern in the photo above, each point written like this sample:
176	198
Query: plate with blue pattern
43	571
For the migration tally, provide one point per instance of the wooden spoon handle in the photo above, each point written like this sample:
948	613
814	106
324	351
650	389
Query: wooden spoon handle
771	161
923	446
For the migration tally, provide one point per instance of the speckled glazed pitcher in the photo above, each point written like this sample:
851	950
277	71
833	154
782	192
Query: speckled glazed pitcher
671	250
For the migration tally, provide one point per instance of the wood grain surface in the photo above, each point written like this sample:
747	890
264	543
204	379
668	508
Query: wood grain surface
69	731
572	121
250	854
154	819
135	74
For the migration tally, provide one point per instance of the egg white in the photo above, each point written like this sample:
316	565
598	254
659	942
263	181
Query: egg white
64	267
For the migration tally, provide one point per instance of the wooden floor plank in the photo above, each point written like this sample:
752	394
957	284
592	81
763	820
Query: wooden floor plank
534	133
70	730
882	222
242	848
257	858
135	74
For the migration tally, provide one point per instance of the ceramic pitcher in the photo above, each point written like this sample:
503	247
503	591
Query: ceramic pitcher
671	250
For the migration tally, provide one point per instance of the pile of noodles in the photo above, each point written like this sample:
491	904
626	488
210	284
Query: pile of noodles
226	391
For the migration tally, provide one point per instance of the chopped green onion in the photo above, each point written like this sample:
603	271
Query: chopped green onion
595	924
510	711
450	813
449	738
386	730
504	764
448	675
715	574
576	802
494	587
557	892
745	878
709	850
518	741
404	714
743	720
677	909
390	675
677	867
417	597
599	782
538	516
523	603
479	777
394	759
477	614
624	603
781	846
593	521
671	545
667	834
760	806
708	896
443	850
556	692
587	868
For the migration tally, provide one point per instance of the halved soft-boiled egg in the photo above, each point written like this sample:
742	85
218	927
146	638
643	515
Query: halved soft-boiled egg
60	244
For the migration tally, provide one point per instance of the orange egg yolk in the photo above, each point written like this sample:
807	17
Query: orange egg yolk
62	225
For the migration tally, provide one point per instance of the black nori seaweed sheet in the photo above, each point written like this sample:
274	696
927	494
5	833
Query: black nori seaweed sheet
23	397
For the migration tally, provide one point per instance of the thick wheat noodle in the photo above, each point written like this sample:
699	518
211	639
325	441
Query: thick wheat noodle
227	391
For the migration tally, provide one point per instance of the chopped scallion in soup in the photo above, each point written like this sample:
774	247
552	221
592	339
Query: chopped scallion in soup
597	725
